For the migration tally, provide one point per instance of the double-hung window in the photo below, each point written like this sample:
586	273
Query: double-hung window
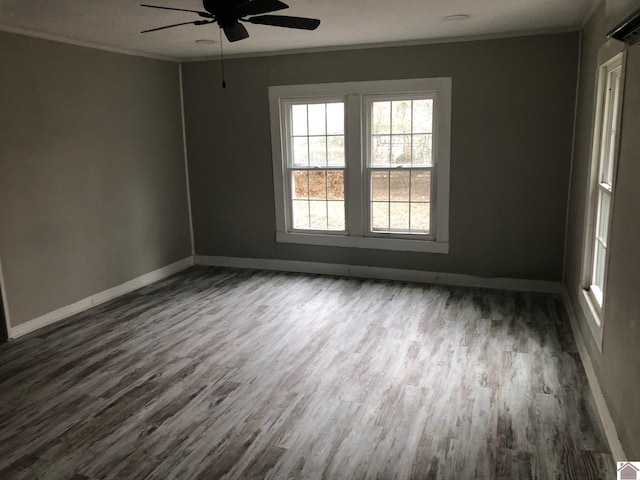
316	165
602	189
363	164
399	163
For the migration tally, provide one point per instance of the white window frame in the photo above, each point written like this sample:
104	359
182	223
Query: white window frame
357	234
593	300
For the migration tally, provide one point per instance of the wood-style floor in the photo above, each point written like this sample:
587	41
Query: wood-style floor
222	373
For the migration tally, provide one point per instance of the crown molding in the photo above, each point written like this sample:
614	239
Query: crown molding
80	43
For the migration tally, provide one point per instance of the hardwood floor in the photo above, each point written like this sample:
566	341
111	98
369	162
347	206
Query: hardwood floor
223	373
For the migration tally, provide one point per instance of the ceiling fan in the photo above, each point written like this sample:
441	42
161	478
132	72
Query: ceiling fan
229	13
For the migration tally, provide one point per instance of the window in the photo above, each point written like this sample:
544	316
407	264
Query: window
602	188
363	164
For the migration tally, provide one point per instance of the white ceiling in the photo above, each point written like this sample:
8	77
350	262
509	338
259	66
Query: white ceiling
116	24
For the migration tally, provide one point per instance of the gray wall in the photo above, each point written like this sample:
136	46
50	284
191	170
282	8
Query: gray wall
513	107
617	366
92	183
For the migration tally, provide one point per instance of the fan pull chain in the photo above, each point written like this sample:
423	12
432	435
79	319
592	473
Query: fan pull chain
224	84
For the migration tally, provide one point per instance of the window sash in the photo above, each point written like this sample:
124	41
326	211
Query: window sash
600	244
371	201
609	126
290	200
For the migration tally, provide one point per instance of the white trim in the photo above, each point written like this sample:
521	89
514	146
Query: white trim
186	161
590	312
397	44
376	243
601	404
81	43
367	87
5	303
609	56
99	298
418	276
356	205
336	48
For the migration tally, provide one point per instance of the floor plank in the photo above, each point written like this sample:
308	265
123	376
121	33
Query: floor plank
238	374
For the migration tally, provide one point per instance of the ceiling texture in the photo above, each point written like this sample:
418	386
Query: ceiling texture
116	24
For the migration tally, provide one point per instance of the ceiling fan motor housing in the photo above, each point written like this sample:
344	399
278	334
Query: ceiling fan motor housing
224	11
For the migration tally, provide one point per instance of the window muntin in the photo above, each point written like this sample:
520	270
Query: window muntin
399	164
316	165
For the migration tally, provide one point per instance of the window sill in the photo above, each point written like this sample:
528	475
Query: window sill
590	312
377	243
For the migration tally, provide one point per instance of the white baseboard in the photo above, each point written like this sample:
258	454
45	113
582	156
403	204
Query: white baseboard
601	404
98	298
5	304
454	279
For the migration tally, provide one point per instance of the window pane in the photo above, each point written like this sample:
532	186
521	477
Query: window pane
336	151
401	150
614	127
300	212
598	266
400	186
300	151
299	119
336	215
380	150
318	185
381	117
318	151
335	118
300	184
408	210
611	127
380	185
318	220
604	207
380	216
335	185
399	216
420	186
422	150
422	116
401	120
420	217
318	213
317	119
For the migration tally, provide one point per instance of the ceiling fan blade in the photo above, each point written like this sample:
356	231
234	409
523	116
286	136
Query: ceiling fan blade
235	32
202	14
256	7
197	22
285	21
